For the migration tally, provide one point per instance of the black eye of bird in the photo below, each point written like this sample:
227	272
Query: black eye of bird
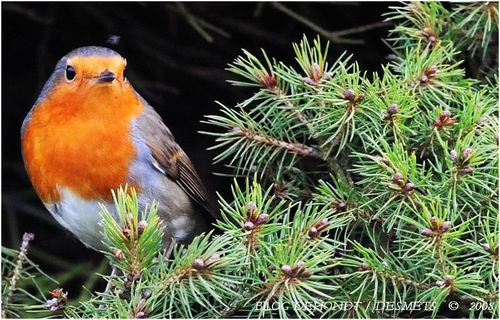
70	72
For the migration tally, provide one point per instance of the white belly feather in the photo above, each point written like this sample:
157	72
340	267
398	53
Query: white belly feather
80	216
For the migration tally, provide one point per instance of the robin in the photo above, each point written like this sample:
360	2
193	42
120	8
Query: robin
89	132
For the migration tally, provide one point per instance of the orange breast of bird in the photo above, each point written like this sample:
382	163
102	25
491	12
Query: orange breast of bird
80	139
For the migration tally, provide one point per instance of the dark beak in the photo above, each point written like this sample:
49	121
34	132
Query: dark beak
106	77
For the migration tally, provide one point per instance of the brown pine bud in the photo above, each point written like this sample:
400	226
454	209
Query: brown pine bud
426	232
447	280
392	109
467	170
141	226
439	283
341	206
313	232
126	232
118	254
446	226
322	223
453	156
409	186
349	95
287	270
262	218
486	246
198	264
361	97
308	80
424	79
466	153
268	81
444	115
397	178
251	207
125	295
249	225
434	222
364	266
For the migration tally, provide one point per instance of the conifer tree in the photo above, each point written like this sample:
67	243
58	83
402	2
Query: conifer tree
361	195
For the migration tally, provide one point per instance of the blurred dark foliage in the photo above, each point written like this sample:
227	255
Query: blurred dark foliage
176	57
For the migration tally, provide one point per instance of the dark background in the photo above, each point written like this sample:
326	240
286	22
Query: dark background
174	67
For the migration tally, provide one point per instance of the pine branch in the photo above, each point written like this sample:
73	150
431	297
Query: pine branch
296	148
16	272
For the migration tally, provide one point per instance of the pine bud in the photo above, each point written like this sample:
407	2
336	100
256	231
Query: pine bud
262	218
434	222
447	280
426	232
198	264
466	153
341	206
364	266
361	97
126	232
118	254
140	315
392	109
251	207
316	67
287	270
445	226
467	170
424	79
481	120
409	186
249	225
486	246
313	232
453	156
125	295
349	95
268	81
431	39
397	178
308	80
323	223
141	226
439	283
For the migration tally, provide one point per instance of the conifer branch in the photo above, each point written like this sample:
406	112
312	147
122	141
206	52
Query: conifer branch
297	148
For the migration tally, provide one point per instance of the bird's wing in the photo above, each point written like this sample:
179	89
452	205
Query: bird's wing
170	158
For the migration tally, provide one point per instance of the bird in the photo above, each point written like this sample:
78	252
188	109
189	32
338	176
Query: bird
89	132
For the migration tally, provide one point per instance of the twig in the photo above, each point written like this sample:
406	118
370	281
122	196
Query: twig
197	23
16	273
334	36
297	148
